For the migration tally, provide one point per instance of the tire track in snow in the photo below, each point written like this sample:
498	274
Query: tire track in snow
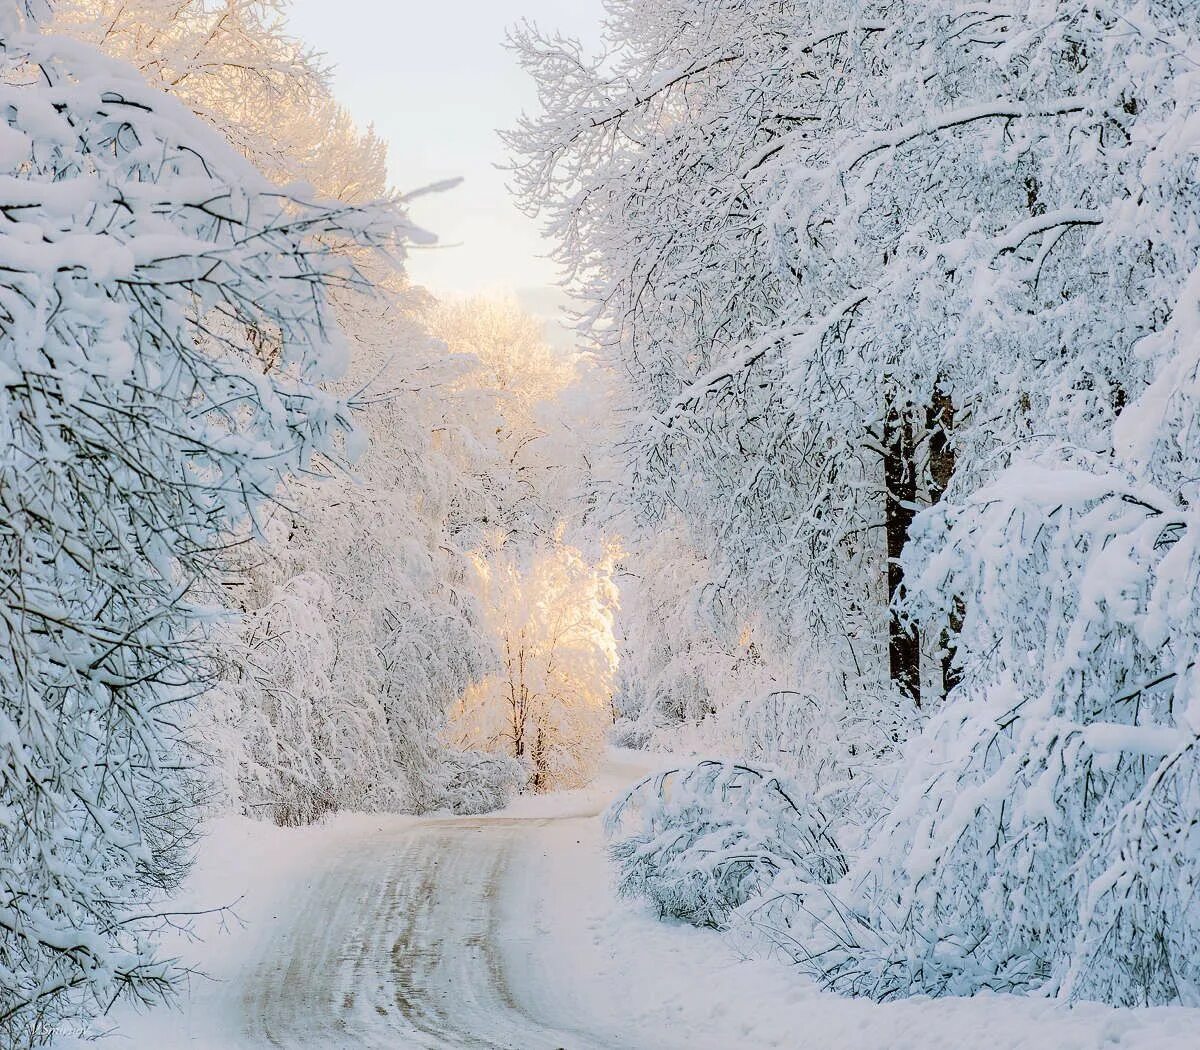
396	943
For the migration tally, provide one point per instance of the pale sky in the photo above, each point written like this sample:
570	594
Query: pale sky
434	78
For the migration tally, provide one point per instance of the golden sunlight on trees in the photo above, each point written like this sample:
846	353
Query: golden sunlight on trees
236	65
547	608
511	349
514	450
550	699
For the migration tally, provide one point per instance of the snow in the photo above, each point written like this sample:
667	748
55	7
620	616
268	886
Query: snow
564	964
834	272
691	989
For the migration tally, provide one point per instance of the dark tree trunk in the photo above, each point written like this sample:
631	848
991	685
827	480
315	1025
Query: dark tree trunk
940	425
539	760
900	477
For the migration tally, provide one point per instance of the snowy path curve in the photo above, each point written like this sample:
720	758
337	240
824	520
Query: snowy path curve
399	943
501	933
390	933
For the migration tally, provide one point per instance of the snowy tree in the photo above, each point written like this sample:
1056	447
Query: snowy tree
519	451
235	64
459	443
550	699
358	629
1045	833
1044	837
366	560
513	450
829	277
166	319
858	257
658	172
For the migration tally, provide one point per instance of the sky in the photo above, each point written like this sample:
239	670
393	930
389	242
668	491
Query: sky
434	78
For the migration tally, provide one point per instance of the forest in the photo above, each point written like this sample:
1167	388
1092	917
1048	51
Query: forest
837	572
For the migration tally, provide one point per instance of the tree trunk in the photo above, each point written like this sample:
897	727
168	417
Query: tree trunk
900	478
940	425
539	760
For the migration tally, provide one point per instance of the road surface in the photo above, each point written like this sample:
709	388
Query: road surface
399	933
400	943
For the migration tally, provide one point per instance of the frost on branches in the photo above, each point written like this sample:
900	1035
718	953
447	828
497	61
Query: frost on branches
505	433
1045	836
1059	788
361	626
357	624
858	258
235	65
165	321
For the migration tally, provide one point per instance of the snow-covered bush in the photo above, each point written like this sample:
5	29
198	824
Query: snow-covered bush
473	782
164	321
1045	835
298	744
354	641
698	842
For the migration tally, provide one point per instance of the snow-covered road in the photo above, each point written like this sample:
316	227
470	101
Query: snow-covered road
430	934
391	933
400	942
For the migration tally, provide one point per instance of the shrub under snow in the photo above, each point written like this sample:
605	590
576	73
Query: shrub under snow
700	841
474	782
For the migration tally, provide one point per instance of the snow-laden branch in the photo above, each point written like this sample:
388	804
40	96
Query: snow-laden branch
799	339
